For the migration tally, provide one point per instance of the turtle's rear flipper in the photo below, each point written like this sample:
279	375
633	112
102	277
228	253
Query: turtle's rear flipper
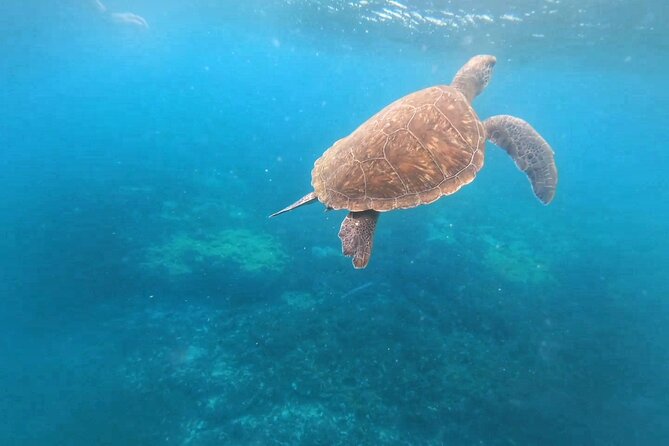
357	236
301	202
528	149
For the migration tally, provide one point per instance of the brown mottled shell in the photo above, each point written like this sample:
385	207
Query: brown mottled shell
422	146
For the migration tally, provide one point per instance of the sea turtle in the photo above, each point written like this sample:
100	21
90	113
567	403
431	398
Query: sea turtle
419	148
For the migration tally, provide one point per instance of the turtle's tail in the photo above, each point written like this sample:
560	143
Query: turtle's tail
309	198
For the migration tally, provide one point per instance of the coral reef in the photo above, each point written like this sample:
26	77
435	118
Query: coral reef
515	261
441	230
506	253
250	251
325	252
300	300
311	369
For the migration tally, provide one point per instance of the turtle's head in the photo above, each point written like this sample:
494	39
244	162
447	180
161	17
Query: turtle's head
483	59
474	76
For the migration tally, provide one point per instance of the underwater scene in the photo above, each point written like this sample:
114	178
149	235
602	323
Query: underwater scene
517	292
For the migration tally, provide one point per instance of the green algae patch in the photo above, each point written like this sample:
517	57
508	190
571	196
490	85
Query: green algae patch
252	252
515	262
172	256
506	254
300	300
441	230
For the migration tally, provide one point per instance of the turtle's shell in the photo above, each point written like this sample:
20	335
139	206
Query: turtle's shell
422	146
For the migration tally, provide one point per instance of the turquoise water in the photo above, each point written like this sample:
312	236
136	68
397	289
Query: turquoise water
146	299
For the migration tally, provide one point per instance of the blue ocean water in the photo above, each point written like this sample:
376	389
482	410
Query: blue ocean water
146	298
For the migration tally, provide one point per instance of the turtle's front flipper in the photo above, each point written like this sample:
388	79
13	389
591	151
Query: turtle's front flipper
528	149
357	236
301	202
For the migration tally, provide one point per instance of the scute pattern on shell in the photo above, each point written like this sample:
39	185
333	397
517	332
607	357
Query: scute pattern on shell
419	148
